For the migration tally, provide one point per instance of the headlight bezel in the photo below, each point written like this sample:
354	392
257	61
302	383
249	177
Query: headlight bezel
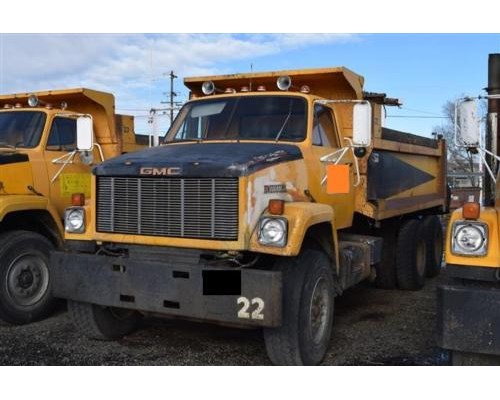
283	222
74	211
482	227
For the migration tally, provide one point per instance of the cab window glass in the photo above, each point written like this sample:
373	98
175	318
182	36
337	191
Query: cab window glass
324	130
62	135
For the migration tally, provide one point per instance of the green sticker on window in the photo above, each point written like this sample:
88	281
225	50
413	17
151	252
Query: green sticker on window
75	183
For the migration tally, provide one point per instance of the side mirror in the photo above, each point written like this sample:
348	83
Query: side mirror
84	133
362	124
467	124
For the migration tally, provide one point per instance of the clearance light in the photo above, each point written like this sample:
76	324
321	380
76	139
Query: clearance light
18	105
276	206
261	88
305	89
48	106
245	89
78	199
471	210
7	106
64	105
230	90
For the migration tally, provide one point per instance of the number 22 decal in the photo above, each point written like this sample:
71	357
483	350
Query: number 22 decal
255	314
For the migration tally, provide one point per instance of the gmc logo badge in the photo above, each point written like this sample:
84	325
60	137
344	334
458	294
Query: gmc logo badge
160	171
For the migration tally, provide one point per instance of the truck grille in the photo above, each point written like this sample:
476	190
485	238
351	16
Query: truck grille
202	208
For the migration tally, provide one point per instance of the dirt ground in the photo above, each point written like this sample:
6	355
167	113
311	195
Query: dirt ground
371	327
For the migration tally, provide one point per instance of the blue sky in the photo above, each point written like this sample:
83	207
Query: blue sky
423	70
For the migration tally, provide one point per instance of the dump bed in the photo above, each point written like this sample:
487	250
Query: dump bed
403	173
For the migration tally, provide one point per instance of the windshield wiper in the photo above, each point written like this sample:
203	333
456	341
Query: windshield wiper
7	146
285	122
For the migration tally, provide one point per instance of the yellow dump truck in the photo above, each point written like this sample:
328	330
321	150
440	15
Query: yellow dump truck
469	300
41	166
272	194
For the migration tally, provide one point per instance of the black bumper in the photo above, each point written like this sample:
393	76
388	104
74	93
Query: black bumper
171	288
469	316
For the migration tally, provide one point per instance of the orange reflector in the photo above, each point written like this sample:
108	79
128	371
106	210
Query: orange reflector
78	199
276	206
337	179
471	210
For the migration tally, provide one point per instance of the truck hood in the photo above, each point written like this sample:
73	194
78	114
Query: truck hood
200	160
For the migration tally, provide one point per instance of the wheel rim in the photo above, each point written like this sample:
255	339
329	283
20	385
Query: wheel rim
420	258
319	310
27	279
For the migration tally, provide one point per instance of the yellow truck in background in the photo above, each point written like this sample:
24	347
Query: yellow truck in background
469	300
273	193
40	168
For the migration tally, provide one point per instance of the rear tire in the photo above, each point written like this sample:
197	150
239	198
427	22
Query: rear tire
410	255
307	315
25	285
102	323
433	232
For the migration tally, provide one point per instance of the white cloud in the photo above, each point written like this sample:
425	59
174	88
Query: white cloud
132	65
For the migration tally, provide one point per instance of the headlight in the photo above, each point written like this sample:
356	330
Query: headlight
74	220
273	231
470	238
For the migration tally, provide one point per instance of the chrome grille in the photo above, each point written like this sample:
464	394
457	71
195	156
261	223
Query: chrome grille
204	208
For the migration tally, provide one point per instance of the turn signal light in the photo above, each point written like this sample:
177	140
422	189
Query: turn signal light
78	199
276	206
471	210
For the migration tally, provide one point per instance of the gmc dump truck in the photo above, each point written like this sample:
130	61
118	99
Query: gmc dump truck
469	300
40	170
272	194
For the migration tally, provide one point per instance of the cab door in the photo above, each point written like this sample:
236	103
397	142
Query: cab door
72	177
326	140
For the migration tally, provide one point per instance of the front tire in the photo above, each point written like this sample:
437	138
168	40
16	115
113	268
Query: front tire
25	285
102	323
307	316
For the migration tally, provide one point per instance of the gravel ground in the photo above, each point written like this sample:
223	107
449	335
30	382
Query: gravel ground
372	327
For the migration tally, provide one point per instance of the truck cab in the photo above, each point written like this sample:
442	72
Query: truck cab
41	168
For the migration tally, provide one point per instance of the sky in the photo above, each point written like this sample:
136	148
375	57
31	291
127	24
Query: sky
422	70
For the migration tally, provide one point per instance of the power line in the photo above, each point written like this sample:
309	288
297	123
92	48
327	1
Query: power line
415	116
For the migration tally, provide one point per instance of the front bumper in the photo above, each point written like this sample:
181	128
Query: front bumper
176	286
469	310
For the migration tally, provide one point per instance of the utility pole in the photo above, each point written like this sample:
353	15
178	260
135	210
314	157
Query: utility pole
172	95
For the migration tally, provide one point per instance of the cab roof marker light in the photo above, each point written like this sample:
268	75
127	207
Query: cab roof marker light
305	89
261	88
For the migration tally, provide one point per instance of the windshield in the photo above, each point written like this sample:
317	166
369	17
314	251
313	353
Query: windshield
21	128
246	118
